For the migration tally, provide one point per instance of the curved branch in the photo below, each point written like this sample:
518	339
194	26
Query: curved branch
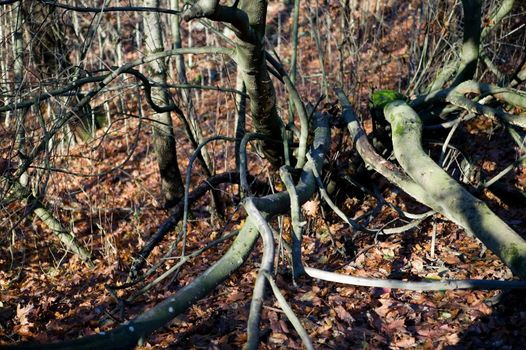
300	108
48	94
40	147
196	154
387	169
248	19
230	14
456	97
265	268
452	199
129	334
243	170
497	16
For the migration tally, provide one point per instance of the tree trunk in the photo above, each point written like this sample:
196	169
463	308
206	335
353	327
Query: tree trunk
248	21
172	188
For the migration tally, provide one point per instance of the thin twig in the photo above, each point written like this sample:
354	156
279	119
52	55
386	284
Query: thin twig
83	9
296	323
353	224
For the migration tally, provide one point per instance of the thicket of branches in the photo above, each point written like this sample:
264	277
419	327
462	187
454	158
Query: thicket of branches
76	74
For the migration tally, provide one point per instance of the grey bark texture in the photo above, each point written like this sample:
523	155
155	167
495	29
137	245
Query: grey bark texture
248	20
163	134
452	199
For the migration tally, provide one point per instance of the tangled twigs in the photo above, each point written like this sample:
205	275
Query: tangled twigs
129	334
353	224
177	215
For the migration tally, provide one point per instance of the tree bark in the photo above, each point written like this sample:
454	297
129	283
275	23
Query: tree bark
248	20
471	42
452	199
172	188
129	334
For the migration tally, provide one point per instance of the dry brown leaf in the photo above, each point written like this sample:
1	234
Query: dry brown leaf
343	314
24	330
405	342
23	312
453	339
383	310
310	208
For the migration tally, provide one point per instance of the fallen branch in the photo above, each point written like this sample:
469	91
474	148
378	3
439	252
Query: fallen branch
450	197
384	167
129	334
417	286
177	215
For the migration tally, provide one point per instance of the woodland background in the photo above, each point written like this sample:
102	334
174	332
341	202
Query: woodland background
99	180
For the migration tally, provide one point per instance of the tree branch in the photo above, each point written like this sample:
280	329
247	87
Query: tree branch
452	199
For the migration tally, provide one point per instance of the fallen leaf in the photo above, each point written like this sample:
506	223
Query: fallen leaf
23	312
311	208
453	339
405	342
343	314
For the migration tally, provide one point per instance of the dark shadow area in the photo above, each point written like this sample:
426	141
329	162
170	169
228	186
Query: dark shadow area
505	328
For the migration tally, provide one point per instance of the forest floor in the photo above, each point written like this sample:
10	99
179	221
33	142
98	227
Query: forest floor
47	294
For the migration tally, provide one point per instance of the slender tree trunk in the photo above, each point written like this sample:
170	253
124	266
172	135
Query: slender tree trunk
240	122
186	94
248	20
294	56
4	58
172	188
471	42
18	70
252	65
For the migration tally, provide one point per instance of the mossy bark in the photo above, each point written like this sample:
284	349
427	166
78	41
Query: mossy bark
450	197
